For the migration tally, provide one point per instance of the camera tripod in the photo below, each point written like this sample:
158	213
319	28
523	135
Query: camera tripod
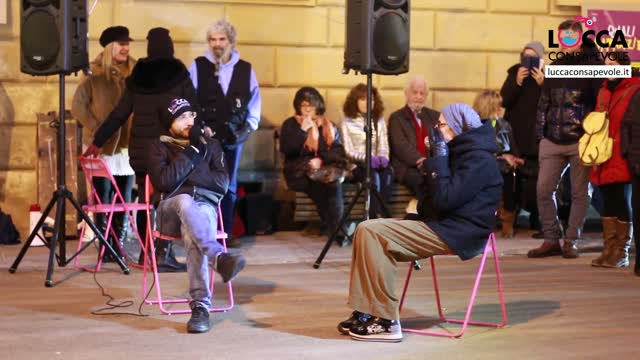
58	199
364	187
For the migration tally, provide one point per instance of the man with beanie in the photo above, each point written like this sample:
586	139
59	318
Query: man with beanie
94	99
520	94
230	102
456	216
154	81
188	174
563	105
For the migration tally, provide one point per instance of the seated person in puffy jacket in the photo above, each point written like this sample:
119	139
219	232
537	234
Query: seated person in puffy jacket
464	191
189	178
488	104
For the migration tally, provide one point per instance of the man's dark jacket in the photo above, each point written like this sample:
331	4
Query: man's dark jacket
153	83
564	103
464	189
175	170
402	138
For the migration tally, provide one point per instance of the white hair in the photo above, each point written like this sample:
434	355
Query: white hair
223	26
417	79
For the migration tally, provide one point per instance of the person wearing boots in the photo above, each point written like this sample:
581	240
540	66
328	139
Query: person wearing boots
189	178
94	99
488	104
520	94
314	156
563	105
613	176
230	103
462	197
352	128
154	81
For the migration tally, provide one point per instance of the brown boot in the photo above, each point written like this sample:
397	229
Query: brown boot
507	218
609	238
619	254
548	248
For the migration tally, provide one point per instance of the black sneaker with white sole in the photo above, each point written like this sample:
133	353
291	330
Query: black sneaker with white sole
377	329
356	319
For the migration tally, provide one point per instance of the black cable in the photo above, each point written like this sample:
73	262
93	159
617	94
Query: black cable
123	304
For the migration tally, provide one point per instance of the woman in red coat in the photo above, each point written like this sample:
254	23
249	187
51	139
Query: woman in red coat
613	177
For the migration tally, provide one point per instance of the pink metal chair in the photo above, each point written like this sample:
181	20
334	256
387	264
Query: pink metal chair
96	168
152	265
490	247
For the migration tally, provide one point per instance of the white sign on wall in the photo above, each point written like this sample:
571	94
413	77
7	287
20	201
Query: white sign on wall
3	11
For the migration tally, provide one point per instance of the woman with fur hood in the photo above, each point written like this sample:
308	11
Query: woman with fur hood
154	82
94	99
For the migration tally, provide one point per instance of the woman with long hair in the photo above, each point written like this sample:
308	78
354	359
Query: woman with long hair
352	129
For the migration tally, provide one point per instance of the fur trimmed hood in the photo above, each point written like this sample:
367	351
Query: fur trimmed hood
156	75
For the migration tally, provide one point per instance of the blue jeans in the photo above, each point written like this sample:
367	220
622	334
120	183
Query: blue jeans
231	162
196	223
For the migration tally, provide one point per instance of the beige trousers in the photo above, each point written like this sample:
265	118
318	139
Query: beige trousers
377	248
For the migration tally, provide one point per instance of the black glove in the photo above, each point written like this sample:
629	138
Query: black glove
438	147
197	149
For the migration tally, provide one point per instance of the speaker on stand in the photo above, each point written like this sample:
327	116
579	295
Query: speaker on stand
376	42
53	40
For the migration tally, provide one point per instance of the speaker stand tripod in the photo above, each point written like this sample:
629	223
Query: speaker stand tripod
58	198
365	188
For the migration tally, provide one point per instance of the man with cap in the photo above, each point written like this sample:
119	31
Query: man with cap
229	99
520	94
94	99
188	174
455	216
154	81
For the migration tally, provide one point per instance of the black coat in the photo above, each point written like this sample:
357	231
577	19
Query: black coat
629	131
465	190
402	138
149	90
292	139
564	103
521	103
170	164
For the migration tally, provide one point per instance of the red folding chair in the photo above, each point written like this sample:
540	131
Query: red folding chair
153	266
490	247
96	168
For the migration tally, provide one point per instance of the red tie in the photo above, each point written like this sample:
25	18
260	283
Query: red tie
421	133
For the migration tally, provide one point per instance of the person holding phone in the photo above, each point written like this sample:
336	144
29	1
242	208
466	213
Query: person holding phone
520	94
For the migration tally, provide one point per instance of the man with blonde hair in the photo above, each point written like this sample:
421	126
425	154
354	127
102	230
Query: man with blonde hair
229	100
408	128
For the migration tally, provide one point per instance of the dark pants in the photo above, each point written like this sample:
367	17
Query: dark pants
382	181
616	201
228	204
327	198
413	179
106	192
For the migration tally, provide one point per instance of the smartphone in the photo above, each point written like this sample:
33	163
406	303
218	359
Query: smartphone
530	62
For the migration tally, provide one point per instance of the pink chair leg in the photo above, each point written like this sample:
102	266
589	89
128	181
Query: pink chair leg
491	246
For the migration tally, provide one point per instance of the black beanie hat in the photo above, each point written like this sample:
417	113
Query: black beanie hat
176	108
160	43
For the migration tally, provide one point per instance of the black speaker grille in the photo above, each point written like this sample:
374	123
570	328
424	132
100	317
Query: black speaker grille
40	39
390	40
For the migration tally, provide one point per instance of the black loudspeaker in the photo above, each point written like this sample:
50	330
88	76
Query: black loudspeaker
53	36
377	36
